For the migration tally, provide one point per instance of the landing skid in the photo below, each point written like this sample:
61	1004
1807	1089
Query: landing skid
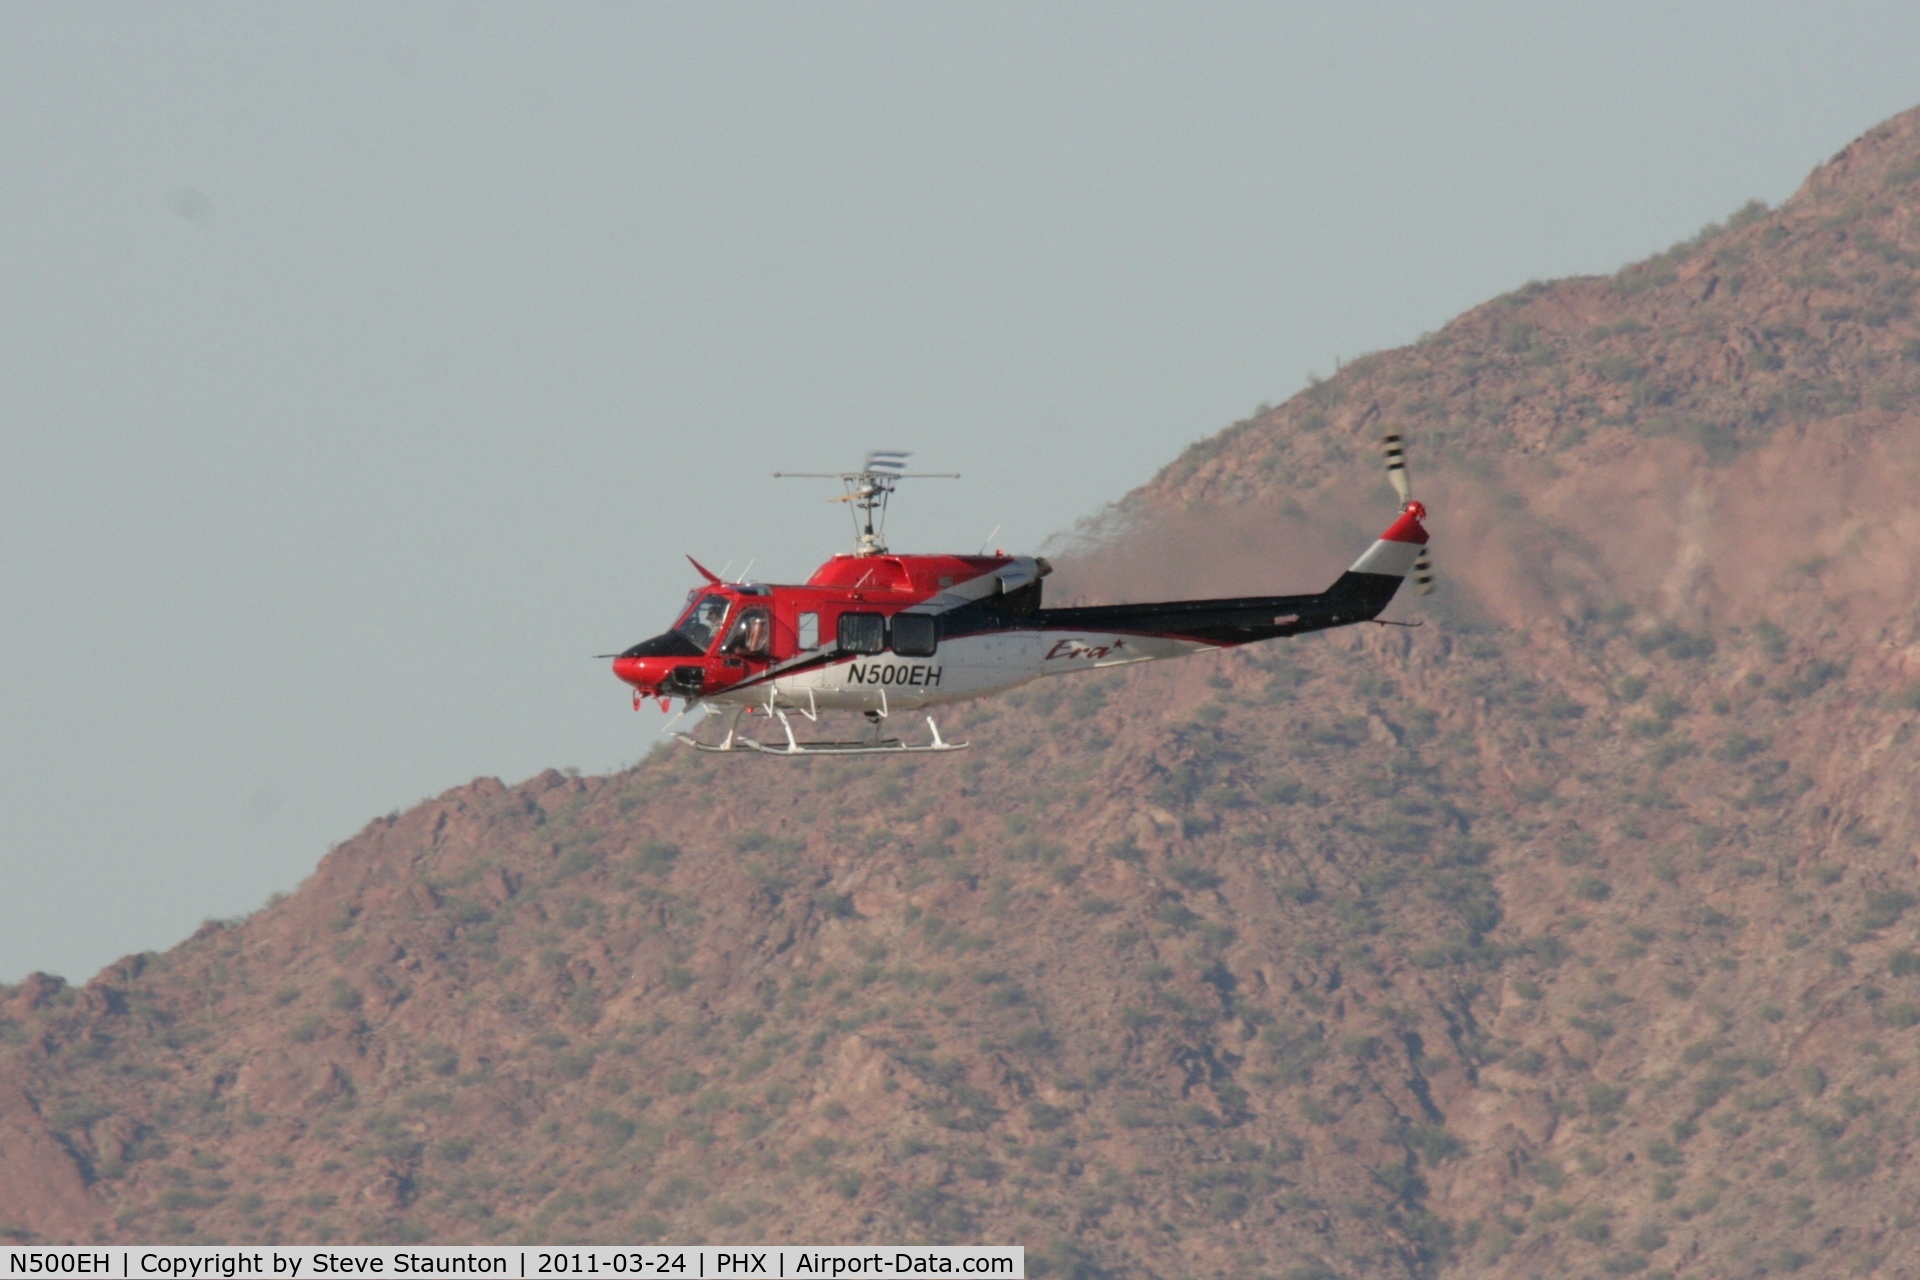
874	746
880	747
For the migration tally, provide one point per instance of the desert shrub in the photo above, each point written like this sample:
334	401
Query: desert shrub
1361	1048
1668	707
1815	676
1592	889
1674	747
1299	891
1549	949
1676	642
1175	915
1886	906
1592	1227
1227	1203
1310	1270
1739	746
1434	1143
1191	875
1664	1153
1577	847
1604	1099
1618	368
615	1129
1317	1112
1708	1091
1282	791
677	1191
656	856
1296	1055
1550	1211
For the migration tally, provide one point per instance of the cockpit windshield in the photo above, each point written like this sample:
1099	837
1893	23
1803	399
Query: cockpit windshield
704	620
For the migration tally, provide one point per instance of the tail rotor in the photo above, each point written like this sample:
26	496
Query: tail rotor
1402	482
1397	476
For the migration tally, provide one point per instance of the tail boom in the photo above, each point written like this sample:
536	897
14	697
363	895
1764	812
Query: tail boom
1358	595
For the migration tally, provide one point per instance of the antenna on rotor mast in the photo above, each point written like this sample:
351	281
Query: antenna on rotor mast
867	491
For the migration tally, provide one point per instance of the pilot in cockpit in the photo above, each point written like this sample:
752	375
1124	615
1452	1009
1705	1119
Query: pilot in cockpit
751	635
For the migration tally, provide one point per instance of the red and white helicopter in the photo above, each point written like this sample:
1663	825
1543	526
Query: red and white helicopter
879	633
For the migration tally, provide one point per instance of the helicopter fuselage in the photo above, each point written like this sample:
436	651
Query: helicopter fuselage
881	632
835	642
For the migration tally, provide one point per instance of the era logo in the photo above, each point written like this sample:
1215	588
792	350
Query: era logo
1081	649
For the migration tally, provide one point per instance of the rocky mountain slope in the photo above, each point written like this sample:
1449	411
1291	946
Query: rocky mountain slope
1570	933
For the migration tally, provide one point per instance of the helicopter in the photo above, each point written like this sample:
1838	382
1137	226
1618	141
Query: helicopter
881	634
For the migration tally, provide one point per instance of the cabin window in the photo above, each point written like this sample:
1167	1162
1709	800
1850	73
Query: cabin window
862	633
809	631
703	620
915	635
752	635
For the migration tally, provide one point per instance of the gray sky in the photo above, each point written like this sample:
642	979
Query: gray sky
363	369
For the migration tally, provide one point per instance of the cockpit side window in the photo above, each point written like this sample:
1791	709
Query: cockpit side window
752	634
703	621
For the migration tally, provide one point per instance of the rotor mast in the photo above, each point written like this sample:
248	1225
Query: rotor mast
867	491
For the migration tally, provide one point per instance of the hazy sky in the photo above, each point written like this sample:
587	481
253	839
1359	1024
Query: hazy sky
364	369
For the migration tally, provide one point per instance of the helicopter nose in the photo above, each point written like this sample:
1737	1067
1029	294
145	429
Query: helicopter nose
633	670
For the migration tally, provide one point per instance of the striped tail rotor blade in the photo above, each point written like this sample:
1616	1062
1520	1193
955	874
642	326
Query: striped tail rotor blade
1397	465
1423	573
